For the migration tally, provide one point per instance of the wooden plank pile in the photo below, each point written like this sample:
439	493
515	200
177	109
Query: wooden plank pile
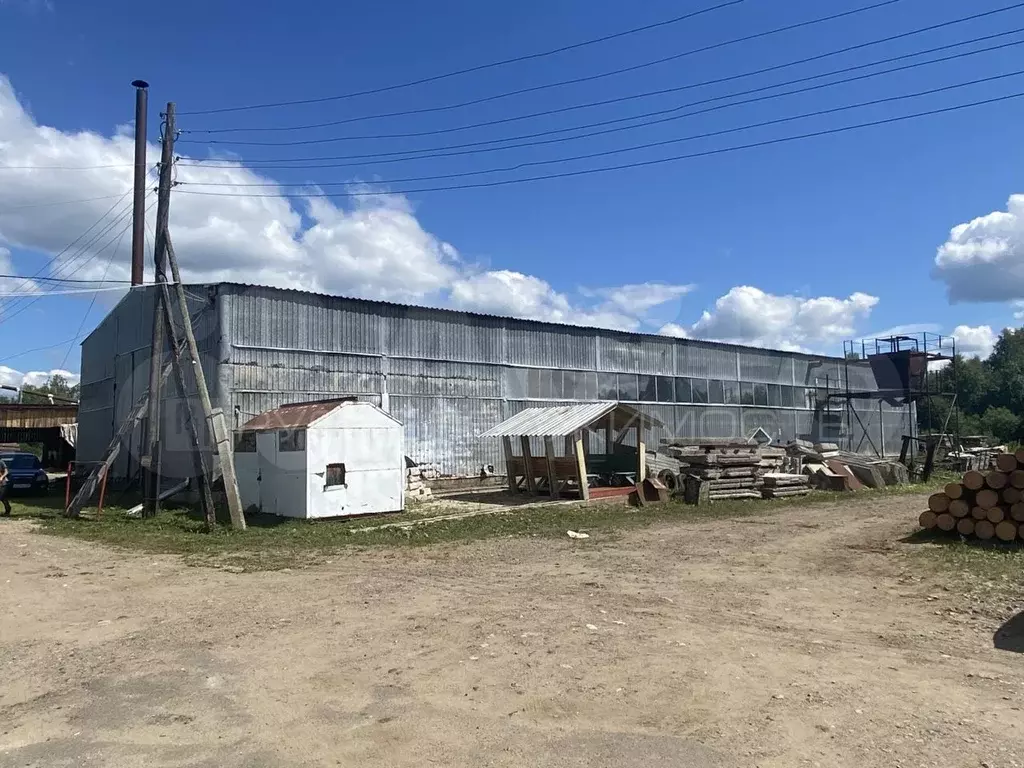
778	485
836	470
731	469
984	504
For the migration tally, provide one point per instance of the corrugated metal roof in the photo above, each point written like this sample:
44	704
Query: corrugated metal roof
294	415
561	420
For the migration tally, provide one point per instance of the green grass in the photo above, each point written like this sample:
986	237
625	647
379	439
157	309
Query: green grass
272	542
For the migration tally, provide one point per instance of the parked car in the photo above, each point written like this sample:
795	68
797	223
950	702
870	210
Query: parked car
25	473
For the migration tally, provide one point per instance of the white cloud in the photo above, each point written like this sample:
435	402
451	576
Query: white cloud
1019	310
983	260
674	329
976	341
14	378
748	315
640	297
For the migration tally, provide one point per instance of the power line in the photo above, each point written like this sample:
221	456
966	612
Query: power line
58	279
40	349
70	245
88	310
80	251
71	292
588	78
642	163
61	202
630	97
62	167
633	147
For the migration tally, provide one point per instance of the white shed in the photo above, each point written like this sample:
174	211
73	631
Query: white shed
329	458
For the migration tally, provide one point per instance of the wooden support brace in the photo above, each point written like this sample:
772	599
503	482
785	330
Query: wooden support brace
549	451
531	480
506	443
581	465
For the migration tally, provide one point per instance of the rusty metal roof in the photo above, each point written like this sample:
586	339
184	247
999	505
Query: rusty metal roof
561	420
294	415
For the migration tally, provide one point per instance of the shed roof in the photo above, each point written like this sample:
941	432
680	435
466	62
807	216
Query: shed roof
561	420
294	415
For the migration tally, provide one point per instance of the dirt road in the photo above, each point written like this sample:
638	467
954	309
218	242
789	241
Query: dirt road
806	637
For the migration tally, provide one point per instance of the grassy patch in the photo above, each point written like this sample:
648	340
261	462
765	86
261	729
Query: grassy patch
974	566
273	542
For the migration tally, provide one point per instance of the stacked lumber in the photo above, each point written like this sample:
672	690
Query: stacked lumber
836	470
984	504
778	485
416	479
731	469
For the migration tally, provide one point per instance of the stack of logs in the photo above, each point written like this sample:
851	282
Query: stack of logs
731	471
983	504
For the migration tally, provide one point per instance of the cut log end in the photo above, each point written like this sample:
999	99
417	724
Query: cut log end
997	480
927	520
1017	511
945	522
965	527
1006	530
1006	462
938	502
987	498
979	513
959	508
974	480
1017	478
984	530
995	515
1012	495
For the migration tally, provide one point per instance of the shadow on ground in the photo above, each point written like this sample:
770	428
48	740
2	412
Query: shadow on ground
952	538
1010	636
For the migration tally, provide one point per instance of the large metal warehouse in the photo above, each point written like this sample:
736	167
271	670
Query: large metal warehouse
449	376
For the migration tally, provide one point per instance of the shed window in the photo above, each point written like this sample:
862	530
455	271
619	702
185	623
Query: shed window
648	388
700	390
628	389
731	392
774	395
245	442
683	391
606	387
716	392
335	475
746	393
787	396
666	389
291	440
760	394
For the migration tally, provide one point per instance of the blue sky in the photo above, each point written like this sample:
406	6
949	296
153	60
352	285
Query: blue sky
847	216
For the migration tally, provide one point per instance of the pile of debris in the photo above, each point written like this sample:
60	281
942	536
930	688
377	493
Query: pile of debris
728	469
986	504
834	470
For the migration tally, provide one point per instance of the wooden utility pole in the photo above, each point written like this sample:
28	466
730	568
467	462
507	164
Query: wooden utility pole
222	436
151	455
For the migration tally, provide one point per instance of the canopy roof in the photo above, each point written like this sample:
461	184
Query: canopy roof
561	420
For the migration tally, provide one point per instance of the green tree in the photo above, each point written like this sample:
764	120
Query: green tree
1002	423
57	385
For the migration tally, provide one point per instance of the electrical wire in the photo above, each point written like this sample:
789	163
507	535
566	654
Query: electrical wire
70	245
57	279
63	167
588	78
80	251
61	202
642	163
429	154
629	97
760	89
73	291
40	349
632	148
106	270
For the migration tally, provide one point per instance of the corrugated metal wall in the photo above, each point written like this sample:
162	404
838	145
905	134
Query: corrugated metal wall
448	376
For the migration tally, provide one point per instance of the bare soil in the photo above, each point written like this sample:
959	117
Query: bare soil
812	636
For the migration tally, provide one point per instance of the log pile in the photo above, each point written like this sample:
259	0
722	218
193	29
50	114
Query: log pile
984	504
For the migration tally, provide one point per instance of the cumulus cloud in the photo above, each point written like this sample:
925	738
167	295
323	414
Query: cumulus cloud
983	260
14	378
640	297
976	341
748	315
